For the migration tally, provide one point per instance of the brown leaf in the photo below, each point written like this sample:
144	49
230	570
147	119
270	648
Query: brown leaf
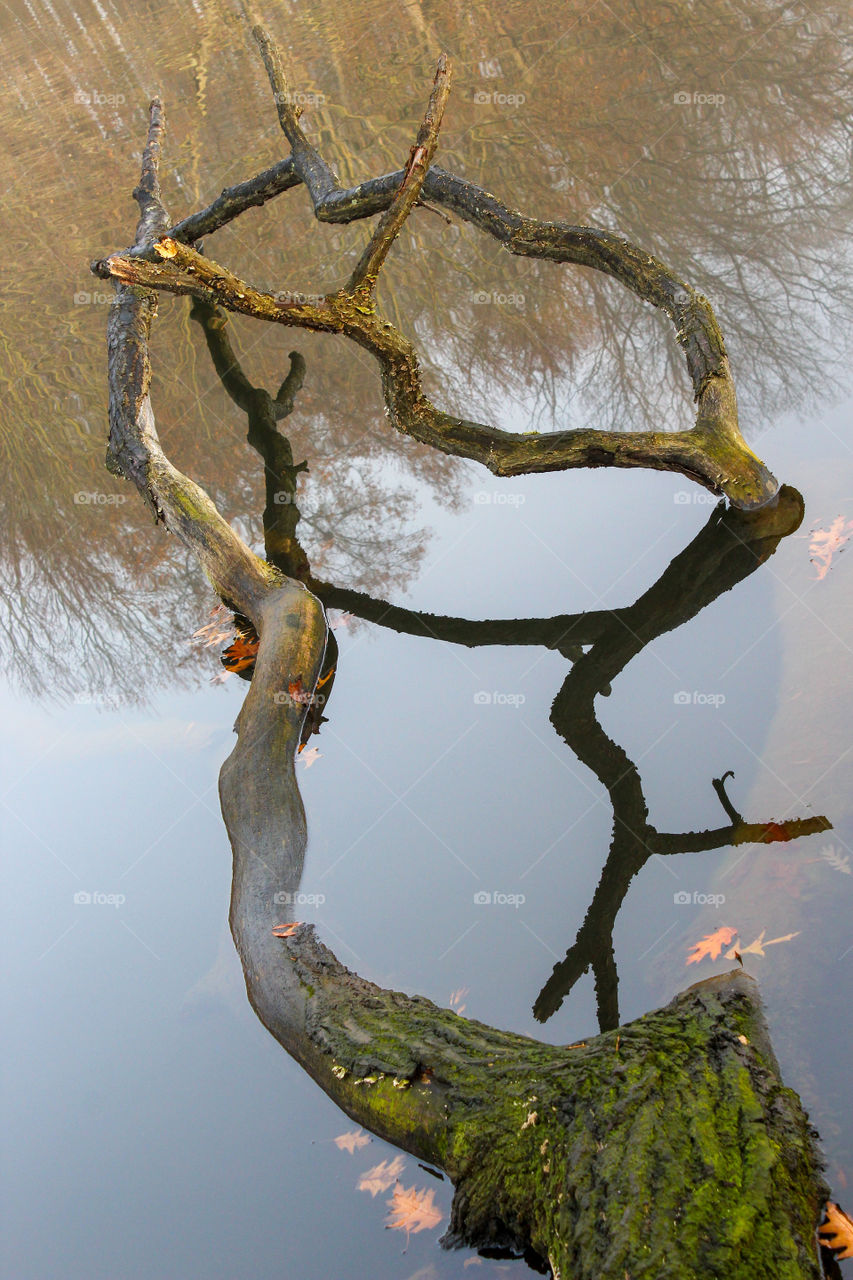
711	945
352	1140
412	1210
837	1232
381	1176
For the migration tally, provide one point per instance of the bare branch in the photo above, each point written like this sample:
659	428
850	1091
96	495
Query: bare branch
391	223
307	161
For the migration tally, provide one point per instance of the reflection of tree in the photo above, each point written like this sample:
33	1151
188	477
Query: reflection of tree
726	551
746	200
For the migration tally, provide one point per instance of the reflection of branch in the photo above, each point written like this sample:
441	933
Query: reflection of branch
713	453
719	785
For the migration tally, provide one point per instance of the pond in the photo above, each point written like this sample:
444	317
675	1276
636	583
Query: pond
474	796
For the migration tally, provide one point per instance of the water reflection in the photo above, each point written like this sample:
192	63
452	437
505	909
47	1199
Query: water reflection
599	645
745	196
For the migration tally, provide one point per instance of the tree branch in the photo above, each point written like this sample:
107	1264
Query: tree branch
391	223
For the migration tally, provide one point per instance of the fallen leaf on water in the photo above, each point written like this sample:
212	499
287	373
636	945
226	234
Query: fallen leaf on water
412	1210
837	1232
457	999
381	1176
756	947
837	860
286	930
343	621
310	756
711	945
825	543
352	1140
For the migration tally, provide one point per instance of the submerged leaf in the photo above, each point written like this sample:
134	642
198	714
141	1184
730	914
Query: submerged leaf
352	1140
381	1176
711	945
412	1210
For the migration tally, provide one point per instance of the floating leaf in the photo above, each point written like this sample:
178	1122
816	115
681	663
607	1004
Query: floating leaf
711	945
837	860
837	1232
286	930
756	947
310	756
457	1000
825	543
381	1176
412	1210
353	1140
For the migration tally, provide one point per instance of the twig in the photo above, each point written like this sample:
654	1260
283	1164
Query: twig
391	223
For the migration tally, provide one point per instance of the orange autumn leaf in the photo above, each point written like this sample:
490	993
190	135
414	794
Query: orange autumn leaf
412	1210
286	930
837	1232
711	945
352	1140
381	1176
241	654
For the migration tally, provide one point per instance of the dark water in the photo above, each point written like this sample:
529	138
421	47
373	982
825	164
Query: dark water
152	1127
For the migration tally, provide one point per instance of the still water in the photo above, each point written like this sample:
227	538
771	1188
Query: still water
456	840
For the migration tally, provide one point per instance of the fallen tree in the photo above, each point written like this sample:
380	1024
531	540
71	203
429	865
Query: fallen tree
713	452
669	1148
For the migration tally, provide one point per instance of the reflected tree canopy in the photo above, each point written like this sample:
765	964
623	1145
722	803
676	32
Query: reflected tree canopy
757	227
